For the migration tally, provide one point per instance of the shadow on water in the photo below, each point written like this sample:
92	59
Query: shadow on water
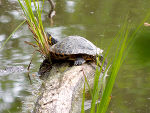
142	47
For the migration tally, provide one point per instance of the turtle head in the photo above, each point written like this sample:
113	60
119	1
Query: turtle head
51	40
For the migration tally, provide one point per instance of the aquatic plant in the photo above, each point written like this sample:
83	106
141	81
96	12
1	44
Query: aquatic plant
124	39
34	21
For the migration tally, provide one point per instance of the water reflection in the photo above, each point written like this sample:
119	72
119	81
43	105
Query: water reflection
56	32
70	6
11	85
2	37
17	14
5	19
14	86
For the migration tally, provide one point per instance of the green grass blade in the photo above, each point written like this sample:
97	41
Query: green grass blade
39	15
35	24
87	84
24	9
12	33
32	17
97	83
115	68
95	90
83	99
35	6
42	6
119	58
96	79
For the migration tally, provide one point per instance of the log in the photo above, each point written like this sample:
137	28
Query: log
63	87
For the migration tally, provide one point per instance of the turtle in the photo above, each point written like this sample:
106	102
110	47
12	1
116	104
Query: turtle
75	48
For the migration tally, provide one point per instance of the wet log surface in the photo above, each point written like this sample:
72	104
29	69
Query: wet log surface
62	88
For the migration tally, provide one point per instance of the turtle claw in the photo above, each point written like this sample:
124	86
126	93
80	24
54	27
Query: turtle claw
79	61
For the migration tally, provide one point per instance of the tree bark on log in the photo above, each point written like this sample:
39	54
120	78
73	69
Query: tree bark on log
63	87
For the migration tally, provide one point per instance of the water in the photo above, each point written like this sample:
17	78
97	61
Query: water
96	20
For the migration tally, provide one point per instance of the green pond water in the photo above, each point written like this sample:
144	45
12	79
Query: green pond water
98	21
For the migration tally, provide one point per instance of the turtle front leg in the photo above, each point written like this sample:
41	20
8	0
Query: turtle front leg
79	61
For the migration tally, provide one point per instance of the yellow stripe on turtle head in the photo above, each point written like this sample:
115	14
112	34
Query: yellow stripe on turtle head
50	40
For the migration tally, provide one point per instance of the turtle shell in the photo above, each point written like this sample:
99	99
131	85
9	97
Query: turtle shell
75	45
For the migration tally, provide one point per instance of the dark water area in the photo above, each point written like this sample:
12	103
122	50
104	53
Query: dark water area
98	21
